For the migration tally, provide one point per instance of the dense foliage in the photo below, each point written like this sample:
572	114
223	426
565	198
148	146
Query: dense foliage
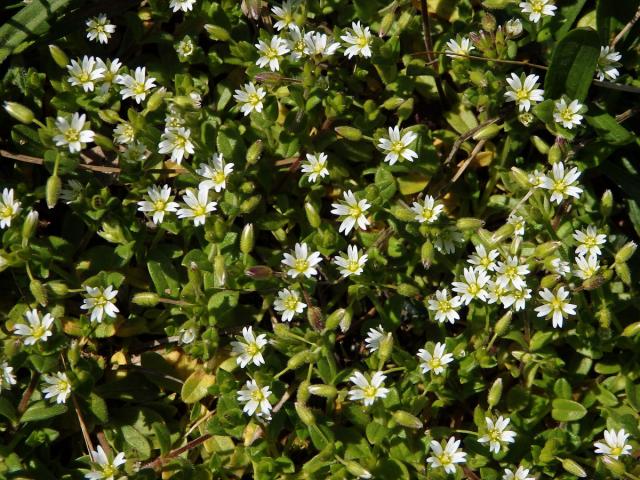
319	239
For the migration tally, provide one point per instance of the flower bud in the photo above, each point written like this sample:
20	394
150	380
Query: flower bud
386	347
504	232
513	28
606	203
614	466
19	112
303	392
52	190
495	393
555	154
247	239
356	469
146	299
29	227
626	252
259	272
402	213
631	330
334	319
488	132
622	269
407	420
520	177
254	152
312	215
407	290
326	391
573	468
488	22
58	288
549	281
250	204
280	330
38	291
545	249
299	359
58	56
219	271
156	100
427	254
502	325
350	133
345	322
386	23
526	118
593	282
314	317
305	414
469	223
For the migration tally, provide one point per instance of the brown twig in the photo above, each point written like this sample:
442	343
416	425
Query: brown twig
26	396
426	34
626	28
466	136
160	461
486	59
466	163
39	161
83	427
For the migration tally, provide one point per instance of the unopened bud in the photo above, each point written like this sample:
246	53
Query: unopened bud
247	239
407	290
19	112
520	177
469	223
513	28
219	271
573	468
427	254
350	133
593	282
146	299
58	55
345	322
254	152
502	325
407	420
326	391
314	316
495	393
156	100
52	190
488	132
58	288
312	215
623	272
38	291
259	272
604	317
545	249
614	466
334	319
29	227
303	391
606	203
549	281
555	154
504	232
386	23
305	414
402	213
109	116
385	348
626	252
631	330
540	144
488	22
250	204
299	359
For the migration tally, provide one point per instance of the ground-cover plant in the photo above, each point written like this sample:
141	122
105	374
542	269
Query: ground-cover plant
319	239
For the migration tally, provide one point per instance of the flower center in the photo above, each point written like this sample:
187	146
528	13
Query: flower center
139	88
159	205
566	115
199	210
355	211
353	266
363	42
537	6
318	167
219	177
291	303
109	471
616	451
590	242
257	395
511	272
253	349
444	305
63	385
6	211
556	304
435	363
38	332
444	458
370	391
522	94
84	77
271	53
254	99
474	289
494	435
397	147
72	135
301	265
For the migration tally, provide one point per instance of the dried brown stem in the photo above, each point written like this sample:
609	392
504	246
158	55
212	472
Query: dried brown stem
26	396
426	34
626	28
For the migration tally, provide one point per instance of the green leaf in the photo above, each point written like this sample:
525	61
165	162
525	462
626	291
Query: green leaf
413	183
138	445
385	183
609	130
7	410
41	411
196	386
573	64
565	410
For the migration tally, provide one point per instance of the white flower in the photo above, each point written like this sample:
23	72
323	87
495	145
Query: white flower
105	469
249	350
100	302
359	41
137	86
124	133
513	27
185	48
496	434
216	173
445	241
250	98
472	286
536	178
272	53
607	63
560	267
256	399
197	205
73	133
85	73
556	305
100	28
518	224
315	166
367	390
301	262
511	273
435	362
184	5
397	147
589	241
317	43
520	298
447	457
523	91
187	335
445	307
36	330
288	302
284	14
374	337
111	71
537	8
9	208
429	211
173	120
483	260
586	267
353	212
58	386
176	141
158	203
614	445
455	49
499	293
561	183
295	42
520	474
353	263
568	115
7	378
